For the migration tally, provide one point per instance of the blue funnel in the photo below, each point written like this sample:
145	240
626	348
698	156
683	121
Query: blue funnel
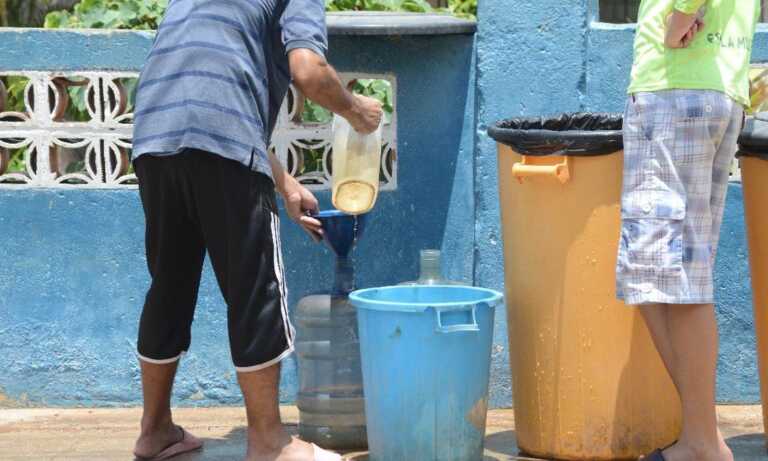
341	230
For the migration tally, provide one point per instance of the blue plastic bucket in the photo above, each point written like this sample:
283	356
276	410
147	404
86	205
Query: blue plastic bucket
426	353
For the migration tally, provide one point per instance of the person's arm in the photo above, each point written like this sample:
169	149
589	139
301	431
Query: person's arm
299	202
305	38
684	23
318	81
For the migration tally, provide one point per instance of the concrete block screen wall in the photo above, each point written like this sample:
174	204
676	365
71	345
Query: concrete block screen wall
43	144
73	273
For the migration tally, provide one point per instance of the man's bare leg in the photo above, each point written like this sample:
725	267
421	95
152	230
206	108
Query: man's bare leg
157	428
268	440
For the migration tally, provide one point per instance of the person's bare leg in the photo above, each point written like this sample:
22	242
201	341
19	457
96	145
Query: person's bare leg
157	428
655	316
693	339
267	438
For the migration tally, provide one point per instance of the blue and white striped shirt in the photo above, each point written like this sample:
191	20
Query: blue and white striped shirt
217	75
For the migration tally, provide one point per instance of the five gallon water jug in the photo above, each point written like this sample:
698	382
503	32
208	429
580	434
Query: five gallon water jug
356	166
331	403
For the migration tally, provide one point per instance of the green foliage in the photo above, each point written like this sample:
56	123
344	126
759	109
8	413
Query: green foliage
377	89
147	14
461	8
315	113
110	14
15	87
416	6
464	8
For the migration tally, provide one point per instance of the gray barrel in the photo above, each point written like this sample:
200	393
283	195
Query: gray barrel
331	403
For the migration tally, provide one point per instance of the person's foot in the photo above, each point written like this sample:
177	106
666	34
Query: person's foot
283	447
169	439
682	451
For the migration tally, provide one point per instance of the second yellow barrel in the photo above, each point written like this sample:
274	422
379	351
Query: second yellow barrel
588	382
753	146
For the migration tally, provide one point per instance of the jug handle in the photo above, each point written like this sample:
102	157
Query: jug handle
460	327
524	169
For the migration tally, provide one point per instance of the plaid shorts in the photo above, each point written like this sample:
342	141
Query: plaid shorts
678	150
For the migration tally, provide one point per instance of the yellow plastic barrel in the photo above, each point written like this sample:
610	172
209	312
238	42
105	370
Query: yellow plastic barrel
588	382
754	174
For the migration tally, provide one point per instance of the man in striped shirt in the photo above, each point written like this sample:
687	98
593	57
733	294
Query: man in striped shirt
207	103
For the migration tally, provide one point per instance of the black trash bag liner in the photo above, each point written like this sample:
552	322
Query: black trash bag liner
575	134
753	141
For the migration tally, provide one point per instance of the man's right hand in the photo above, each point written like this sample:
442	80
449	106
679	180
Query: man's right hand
365	114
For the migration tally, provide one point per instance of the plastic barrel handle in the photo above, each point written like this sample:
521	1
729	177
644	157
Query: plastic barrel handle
560	171
460	327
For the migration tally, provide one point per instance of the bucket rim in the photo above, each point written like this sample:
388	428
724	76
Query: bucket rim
359	300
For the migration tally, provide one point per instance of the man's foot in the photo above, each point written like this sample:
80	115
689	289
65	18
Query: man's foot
164	443
287	448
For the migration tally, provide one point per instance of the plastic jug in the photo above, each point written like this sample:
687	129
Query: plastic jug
356	166
429	270
758	88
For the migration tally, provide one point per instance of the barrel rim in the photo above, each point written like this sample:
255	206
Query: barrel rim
358	299
538	139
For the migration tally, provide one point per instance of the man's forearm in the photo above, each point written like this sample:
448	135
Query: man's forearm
278	172
328	91
318	81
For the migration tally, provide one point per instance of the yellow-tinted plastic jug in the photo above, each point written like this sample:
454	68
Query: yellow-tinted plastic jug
356	166
758	88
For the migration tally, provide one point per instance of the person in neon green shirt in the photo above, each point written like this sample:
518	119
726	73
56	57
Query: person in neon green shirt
705	46
684	114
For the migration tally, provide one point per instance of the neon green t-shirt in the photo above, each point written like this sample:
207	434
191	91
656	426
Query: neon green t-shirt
717	59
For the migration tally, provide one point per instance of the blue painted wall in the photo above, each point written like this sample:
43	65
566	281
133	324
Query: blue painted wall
73	275
552	56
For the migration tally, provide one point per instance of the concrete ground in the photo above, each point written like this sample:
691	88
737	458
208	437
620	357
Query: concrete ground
108	434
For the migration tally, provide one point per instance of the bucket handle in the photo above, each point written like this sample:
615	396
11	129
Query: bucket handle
439	311
561	171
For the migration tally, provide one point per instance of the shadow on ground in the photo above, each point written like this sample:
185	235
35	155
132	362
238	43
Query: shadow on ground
748	447
500	446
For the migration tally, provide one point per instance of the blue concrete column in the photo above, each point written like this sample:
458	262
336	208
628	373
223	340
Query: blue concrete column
530	61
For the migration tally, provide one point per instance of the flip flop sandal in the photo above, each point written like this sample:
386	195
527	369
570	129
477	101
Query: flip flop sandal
325	455
657	455
187	444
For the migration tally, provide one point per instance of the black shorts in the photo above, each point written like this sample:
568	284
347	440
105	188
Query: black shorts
196	201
